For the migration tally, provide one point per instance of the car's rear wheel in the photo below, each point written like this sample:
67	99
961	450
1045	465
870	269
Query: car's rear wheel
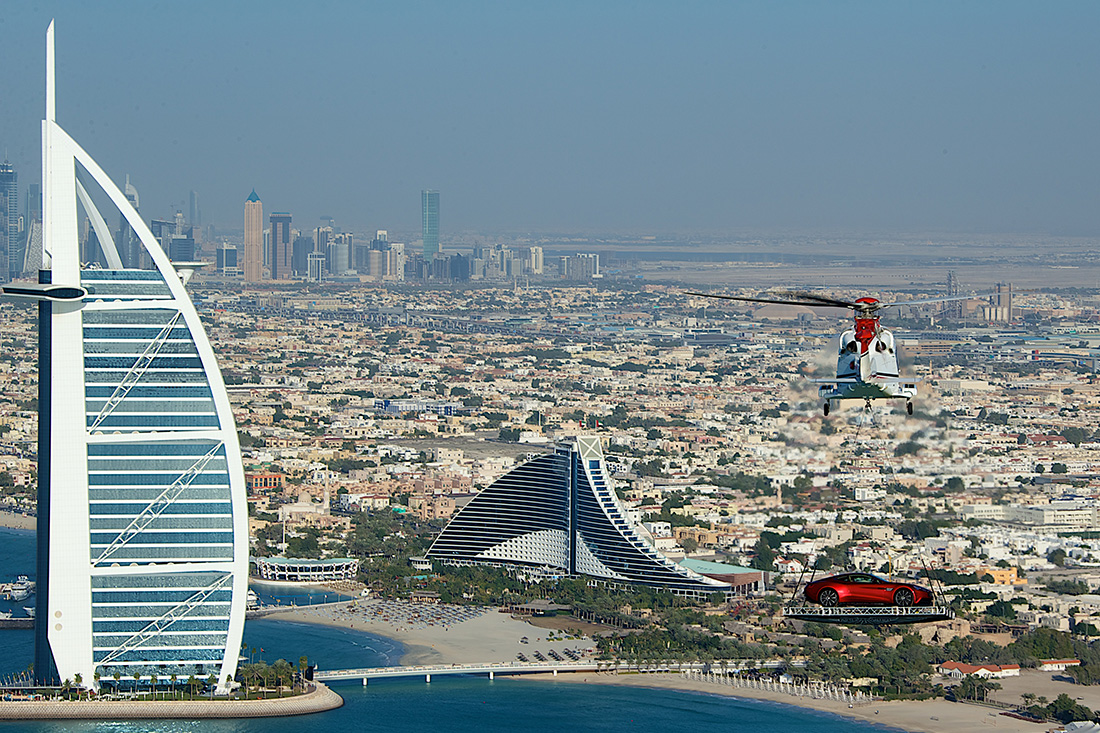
903	597
828	598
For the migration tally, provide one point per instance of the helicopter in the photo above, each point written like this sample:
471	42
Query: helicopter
867	360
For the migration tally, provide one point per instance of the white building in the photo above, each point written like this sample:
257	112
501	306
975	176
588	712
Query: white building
143	527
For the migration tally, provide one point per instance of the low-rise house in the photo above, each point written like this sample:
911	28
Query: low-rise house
1057	665
958	670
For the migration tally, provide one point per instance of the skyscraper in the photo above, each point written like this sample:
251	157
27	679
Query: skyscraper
129	247
195	220
301	249
32	230
11	263
557	514
282	250
252	255
142	520
429	222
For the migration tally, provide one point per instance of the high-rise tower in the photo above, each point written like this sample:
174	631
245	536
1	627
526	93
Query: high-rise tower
282	252
195	218
129	247
252	256
429	222
11	261
142	522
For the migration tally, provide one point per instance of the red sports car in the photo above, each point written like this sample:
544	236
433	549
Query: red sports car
864	589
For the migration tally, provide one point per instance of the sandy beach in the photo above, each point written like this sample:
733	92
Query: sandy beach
925	716
440	633
11	520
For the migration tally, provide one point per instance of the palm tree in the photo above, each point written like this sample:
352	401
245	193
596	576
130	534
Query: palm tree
118	678
192	682
172	679
78	681
248	673
96	676
212	682
284	673
265	673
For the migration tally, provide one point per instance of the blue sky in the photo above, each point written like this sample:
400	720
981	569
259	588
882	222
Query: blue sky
580	116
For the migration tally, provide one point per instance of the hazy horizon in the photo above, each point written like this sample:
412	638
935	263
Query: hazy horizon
641	117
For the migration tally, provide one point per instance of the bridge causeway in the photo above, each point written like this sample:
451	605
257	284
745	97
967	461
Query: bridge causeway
492	669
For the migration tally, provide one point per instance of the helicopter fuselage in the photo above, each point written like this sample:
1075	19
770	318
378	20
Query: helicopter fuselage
867	366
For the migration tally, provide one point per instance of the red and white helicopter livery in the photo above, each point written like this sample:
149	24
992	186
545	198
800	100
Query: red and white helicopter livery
867	360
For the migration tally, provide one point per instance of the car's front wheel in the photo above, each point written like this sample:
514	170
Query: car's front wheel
828	598
903	597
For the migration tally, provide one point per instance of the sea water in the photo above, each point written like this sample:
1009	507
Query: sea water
464	704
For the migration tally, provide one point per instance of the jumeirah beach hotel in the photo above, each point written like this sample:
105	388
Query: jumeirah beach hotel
557	515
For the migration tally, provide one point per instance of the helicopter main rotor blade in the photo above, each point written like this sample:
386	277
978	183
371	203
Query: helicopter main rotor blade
774	301
822	300
793	297
945	299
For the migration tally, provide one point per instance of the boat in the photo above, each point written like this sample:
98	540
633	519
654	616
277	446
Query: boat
21	588
30	611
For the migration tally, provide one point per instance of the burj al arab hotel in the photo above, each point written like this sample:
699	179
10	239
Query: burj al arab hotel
142	528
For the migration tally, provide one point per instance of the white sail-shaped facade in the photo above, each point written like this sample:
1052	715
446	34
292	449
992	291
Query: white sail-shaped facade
146	534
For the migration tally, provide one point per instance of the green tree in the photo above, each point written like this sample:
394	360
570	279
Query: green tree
765	556
1075	435
907	448
1065	709
1068	587
1001	609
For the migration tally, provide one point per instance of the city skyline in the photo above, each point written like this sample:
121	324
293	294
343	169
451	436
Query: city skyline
716	117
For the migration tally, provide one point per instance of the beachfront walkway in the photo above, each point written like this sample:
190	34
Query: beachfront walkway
321	698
